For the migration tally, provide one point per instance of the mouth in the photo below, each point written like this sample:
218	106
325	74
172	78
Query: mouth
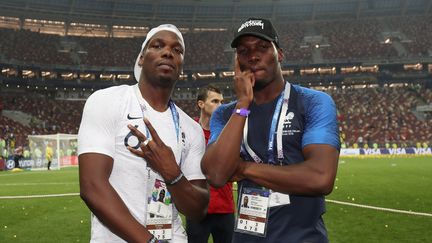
166	65
256	69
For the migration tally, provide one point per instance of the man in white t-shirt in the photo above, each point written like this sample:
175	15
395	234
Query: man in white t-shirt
134	142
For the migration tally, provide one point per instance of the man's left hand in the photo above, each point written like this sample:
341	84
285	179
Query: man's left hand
158	156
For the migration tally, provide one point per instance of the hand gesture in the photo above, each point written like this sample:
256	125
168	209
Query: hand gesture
159	157
243	84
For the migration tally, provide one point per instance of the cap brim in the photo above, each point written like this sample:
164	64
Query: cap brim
234	43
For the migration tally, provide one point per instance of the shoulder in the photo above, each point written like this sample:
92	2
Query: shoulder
187	122
106	104
311	95
111	99
111	93
225	109
314	99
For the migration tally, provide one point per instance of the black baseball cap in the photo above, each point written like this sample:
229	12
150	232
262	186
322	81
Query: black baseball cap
261	28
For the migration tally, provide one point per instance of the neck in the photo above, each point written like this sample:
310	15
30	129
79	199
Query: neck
270	92
204	121
157	96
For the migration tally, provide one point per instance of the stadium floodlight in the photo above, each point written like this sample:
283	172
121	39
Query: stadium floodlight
64	147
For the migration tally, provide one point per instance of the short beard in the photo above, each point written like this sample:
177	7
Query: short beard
166	82
260	85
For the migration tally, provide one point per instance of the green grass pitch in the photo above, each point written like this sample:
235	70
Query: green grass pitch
395	183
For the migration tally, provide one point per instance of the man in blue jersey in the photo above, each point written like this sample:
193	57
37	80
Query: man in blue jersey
279	141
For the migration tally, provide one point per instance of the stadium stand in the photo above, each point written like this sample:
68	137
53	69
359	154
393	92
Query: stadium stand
366	115
209	50
372	112
380	115
32	47
49	116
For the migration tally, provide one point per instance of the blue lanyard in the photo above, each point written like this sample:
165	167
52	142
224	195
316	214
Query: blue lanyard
175	117
275	129
272	130
176	120
171	105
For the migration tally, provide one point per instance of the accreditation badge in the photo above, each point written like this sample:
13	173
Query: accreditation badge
252	217
160	212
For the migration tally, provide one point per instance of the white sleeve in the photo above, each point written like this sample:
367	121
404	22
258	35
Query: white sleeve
191	166
97	131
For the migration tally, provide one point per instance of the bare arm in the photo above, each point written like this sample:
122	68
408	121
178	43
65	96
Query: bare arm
315	176
103	200
221	158
190	197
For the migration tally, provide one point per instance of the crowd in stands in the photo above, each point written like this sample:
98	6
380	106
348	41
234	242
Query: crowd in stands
208	50
49	116
418	31
291	36
380	115
350	40
366	116
100	51
32	47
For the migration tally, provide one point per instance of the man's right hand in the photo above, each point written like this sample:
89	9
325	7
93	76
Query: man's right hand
243	85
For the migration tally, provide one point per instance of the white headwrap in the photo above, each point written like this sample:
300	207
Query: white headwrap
150	34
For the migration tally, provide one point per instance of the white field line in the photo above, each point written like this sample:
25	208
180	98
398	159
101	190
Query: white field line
39	183
379	208
33	172
39	196
327	200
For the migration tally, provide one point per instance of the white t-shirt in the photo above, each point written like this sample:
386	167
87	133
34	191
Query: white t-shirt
104	130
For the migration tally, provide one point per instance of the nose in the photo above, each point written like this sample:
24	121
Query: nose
253	58
167	52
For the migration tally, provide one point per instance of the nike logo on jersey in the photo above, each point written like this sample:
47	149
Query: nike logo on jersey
132	118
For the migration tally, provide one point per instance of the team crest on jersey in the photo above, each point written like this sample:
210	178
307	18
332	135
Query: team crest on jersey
288	129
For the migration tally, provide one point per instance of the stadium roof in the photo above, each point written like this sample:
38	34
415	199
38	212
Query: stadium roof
206	13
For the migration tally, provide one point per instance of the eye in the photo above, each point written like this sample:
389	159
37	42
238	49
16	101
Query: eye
263	46
156	45
178	50
241	51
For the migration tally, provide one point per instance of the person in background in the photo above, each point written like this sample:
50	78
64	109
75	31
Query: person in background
219	221
49	153
18	155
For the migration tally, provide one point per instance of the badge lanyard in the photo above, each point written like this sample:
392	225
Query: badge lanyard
159	218
175	117
253	220
173	109
281	108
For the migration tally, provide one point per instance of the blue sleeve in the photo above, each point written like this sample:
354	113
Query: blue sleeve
321	120
217	122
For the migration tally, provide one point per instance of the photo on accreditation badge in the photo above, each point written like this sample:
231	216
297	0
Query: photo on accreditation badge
160	200
253	211
160	193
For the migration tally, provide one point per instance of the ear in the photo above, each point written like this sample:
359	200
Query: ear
200	104
141	61
280	55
